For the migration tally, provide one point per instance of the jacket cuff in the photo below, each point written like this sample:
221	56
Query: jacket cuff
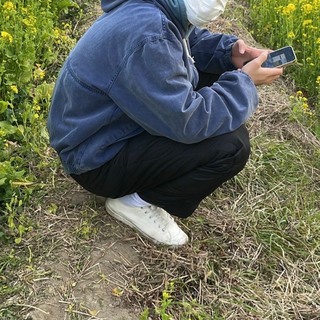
227	59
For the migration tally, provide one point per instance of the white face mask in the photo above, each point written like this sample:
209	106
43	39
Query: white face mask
201	12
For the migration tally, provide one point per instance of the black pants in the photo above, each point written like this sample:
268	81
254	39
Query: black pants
168	174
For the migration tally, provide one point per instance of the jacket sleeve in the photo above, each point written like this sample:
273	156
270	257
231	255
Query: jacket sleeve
211	51
153	88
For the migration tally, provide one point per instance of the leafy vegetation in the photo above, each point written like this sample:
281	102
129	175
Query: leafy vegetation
294	22
33	38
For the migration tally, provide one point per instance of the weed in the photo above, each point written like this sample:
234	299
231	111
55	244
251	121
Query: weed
280	23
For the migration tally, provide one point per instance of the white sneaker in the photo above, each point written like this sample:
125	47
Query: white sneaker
153	222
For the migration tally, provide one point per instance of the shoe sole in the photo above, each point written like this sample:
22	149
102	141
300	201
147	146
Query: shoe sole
130	224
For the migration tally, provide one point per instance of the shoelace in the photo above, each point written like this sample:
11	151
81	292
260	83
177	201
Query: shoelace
159	217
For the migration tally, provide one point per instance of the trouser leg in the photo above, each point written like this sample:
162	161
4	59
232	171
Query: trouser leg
169	174
222	158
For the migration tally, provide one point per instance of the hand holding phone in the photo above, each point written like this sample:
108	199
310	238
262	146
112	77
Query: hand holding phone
280	58
258	74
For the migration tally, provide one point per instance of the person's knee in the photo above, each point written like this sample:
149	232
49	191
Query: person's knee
243	143
242	157
241	152
232	152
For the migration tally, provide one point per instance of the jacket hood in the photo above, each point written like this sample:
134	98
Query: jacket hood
175	8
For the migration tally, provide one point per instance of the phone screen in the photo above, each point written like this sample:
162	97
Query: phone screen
280	57
278	60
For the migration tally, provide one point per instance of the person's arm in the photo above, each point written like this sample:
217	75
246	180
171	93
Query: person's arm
218	53
212	51
153	88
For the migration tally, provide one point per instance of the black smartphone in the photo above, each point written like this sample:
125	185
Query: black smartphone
280	58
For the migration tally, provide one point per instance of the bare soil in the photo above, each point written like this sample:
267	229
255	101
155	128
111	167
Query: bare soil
84	279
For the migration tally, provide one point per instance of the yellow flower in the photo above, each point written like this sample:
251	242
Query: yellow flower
30	21
38	73
56	32
318	80
14	89
165	295
6	36
289	9
310	61
118	292
67	26
291	35
8	5
307	22
307	8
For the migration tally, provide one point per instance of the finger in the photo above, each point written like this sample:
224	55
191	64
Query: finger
262	57
273	73
274	78
242	46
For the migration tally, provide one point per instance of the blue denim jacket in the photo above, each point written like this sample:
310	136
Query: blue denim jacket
133	71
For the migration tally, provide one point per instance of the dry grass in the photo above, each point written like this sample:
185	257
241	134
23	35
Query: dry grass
254	250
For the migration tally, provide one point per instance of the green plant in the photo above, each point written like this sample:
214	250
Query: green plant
294	22
30	35
171	307
302	112
166	302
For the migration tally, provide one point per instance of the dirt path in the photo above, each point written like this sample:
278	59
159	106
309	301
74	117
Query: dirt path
87	257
